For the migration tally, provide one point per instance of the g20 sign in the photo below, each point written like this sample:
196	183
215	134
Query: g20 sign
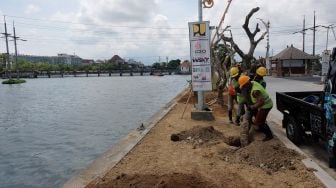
199	36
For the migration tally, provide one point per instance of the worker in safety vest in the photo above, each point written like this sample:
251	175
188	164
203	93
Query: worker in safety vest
260	101
235	95
259	76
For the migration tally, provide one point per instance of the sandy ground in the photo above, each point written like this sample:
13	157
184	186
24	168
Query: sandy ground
206	154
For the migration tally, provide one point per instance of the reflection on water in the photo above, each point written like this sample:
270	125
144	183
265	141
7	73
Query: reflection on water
52	128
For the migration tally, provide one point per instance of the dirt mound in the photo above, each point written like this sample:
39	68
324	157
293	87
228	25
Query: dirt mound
168	180
174	180
201	135
270	156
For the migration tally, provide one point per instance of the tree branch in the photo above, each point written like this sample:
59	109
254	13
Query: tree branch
256	30
261	37
247	20
234	46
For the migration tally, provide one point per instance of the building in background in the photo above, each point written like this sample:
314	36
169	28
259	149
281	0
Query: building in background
116	60
59	59
87	61
134	64
185	67
292	62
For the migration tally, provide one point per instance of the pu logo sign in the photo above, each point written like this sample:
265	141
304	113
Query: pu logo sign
199	29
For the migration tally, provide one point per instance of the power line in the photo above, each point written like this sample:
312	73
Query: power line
6	35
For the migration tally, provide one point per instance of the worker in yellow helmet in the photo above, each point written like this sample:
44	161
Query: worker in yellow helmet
235	95
258	99
259	76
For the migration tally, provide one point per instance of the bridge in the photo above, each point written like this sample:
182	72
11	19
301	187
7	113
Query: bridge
88	73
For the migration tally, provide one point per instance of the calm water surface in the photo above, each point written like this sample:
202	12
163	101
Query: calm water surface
52	128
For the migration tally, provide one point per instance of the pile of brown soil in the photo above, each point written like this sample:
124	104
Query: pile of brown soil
270	156
174	180
164	181
204	135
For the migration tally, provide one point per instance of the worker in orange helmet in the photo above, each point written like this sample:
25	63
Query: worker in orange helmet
259	100
259	76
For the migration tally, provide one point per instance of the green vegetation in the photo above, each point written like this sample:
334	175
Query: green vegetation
172	64
14	81
27	66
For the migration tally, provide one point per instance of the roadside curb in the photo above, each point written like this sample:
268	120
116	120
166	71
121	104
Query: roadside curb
105	162
320	173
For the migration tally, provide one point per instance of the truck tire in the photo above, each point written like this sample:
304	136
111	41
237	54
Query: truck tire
315	138
332	162
293	131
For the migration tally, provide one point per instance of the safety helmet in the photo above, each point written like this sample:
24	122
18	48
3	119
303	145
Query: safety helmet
243	80
234	71
261	71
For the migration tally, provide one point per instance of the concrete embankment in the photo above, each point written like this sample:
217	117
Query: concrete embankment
203	154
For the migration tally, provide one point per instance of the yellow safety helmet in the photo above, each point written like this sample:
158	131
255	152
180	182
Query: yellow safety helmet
243	80
261	71
234	71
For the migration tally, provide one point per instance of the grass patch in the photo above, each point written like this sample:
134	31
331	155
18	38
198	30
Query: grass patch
14	81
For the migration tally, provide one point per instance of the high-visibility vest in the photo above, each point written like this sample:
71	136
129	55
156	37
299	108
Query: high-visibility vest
257	87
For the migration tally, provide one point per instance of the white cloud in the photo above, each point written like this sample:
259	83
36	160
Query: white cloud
134	28
31	9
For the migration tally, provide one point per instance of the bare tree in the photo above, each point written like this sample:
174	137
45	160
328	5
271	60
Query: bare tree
247	57
221	53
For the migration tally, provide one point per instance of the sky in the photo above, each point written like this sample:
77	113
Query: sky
155	30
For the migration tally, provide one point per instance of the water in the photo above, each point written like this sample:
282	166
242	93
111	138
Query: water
52	128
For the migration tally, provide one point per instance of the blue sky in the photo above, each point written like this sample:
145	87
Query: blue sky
147	30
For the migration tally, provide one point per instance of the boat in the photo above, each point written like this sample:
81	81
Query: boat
158	74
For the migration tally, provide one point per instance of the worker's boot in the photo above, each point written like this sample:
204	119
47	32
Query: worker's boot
230	116
267	131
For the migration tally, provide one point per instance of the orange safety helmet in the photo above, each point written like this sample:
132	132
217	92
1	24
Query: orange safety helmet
243	80
261	71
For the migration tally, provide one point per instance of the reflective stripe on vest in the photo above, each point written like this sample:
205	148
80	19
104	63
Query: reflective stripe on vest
257	87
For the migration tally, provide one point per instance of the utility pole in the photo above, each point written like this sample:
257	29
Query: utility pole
314	29
200	94
303	31
15	38
8	65
267	25
328	28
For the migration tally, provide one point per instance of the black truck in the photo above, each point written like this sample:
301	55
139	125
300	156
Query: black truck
312	114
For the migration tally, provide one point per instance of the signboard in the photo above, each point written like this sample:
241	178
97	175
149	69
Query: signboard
199	36
325	62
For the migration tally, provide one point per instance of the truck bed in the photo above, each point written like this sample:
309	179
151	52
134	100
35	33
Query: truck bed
309	115
292	102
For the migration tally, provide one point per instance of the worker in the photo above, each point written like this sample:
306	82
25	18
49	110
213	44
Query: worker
259	76
258	99
235	95
252	71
